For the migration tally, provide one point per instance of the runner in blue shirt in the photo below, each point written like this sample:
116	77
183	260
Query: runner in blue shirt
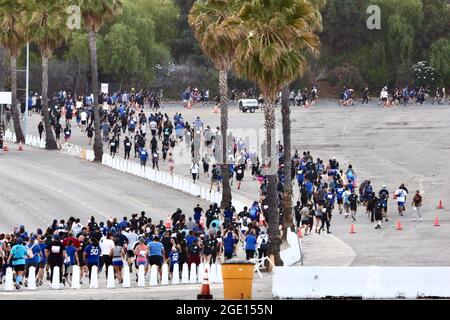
250	245
229	241
92	255
17	259
339	195
34	260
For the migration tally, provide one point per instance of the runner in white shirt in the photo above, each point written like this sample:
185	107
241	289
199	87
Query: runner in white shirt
400	195
106	245
83	118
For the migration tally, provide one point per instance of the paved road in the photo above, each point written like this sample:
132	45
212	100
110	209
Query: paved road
38	186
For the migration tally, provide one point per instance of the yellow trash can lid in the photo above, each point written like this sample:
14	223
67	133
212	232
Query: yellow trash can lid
237	261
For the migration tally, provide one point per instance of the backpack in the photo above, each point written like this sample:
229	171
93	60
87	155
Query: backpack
253	212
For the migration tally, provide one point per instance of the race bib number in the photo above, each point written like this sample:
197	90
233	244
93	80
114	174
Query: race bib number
56	249
142	253
94	252
128	144
239	171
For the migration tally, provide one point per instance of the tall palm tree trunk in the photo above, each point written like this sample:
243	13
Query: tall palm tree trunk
14	109
223	89
273	218
2	68
287	194
50	142
98	144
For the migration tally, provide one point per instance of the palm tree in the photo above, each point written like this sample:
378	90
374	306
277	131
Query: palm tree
13	39
2	68
209	20
95	14
288	221
46	23
272	55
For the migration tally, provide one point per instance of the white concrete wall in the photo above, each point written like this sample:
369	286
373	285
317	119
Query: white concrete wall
365	282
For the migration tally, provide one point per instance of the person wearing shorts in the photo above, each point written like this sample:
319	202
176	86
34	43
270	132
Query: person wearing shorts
117	255
156	253
240	170
141	253
17	259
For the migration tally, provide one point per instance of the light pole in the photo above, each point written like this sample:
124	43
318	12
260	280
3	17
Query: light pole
27	71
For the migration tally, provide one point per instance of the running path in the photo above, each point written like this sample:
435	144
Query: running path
38	186
388	146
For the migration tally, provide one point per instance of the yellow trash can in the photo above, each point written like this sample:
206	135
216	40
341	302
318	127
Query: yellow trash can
238	279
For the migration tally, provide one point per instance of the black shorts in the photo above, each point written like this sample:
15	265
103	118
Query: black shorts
130	253
20	267
340	201
155	260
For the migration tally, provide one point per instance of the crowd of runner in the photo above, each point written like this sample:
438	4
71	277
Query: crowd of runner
203	237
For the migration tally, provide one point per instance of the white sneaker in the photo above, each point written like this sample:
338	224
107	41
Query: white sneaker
421	219
413	219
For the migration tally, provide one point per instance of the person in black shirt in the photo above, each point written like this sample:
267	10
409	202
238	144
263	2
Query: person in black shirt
142	220
215	178
166	241
244	213
127	147
353	201
210	249
134	221
209	215
240	170
56	253
194	253
298	216
378	208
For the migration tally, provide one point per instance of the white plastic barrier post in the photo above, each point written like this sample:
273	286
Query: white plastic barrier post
203	193
9	285
141	276
94	278
32	278
185	274
154	276
212	274
14	138
55	280
152	175
110	283
75	277
193	274
207	195
219	278
171	181
176	274
103	159
126	276
165	274
201	272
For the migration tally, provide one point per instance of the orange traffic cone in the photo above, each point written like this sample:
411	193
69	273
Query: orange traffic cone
20	146
205	293
436	222
352	229
168	223
5	147
440	206
399	225
216	109
299	233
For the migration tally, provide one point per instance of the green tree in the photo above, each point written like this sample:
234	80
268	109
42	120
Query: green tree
440	59
121	57
95	14
13	38
46	25
273	55
218	38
